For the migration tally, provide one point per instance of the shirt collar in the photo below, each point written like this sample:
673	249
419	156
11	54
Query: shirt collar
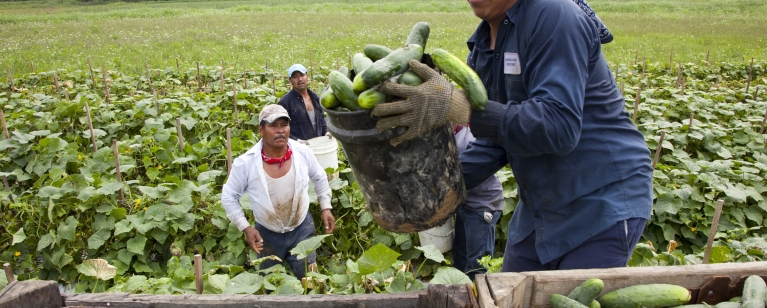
482	33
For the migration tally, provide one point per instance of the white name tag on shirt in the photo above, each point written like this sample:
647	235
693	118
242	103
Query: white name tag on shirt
511	63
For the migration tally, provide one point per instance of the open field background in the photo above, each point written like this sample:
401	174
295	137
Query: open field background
123	36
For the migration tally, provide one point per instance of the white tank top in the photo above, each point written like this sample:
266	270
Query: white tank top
281	191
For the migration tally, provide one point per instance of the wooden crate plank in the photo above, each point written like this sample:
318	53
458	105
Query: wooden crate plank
509	289
483	292
31	294
124	300
545	283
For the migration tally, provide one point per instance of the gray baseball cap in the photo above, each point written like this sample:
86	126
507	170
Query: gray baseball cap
271	113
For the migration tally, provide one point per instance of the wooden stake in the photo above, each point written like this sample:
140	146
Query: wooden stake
178	69
180	135
266	65
234	99
8	272
90	126
658	149
636	56
90	67
199	81
106	87
338	64
708	52
750	72
222	80
761	131
756	93
198	273
712	232
623	85
274	86
679	75
117	168
10	78
244	76
644	65
148	76
636	102
8	189
156	104
690	124
228	150
718	80
5	128
32	66
671	62
56	84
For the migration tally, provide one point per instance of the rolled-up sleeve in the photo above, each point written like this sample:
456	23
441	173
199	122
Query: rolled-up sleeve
235	186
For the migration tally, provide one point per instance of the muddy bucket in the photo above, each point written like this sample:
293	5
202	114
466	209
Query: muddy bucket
412	187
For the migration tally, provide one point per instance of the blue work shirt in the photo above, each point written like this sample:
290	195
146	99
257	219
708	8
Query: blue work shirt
557	118
300	125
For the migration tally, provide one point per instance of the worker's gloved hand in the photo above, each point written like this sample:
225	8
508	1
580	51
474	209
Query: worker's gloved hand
431	104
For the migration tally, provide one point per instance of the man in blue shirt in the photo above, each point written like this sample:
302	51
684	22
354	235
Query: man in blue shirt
303	106
556	116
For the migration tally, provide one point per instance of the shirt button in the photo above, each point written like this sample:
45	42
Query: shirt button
497	56
505	21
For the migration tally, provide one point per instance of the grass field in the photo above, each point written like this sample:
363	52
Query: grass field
50	35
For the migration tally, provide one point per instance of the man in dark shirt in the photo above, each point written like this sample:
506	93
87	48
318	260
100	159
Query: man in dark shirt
303	106
556	116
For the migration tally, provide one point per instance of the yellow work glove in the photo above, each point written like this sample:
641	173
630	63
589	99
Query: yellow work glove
429	105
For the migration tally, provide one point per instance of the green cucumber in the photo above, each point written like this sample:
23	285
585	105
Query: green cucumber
328	99
587	291
393	64
595	304
342	88
370	98
345	70
561	301
376	52
360	63
728	305
693	306
754	292
462	74
646	295
410	78
736	299
419	35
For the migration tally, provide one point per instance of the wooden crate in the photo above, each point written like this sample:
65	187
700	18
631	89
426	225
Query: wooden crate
533	289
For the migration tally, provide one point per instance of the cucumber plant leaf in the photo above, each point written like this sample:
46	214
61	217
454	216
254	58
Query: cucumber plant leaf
98	268
449	275
307	246
377	258
431	252
244	283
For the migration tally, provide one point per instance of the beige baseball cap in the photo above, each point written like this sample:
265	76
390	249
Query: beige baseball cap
271	113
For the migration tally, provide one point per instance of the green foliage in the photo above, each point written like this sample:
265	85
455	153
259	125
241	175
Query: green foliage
67	208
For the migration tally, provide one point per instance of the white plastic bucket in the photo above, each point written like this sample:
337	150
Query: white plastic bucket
325	149
441	236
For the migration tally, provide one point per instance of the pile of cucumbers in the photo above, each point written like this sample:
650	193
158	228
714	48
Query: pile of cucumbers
654	295
357	88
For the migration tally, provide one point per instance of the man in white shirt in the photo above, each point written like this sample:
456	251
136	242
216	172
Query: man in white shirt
275	174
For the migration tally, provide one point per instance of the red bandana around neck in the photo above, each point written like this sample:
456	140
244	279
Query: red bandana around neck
281	160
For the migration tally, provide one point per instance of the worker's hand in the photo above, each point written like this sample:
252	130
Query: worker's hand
329	221
254	239
429	105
